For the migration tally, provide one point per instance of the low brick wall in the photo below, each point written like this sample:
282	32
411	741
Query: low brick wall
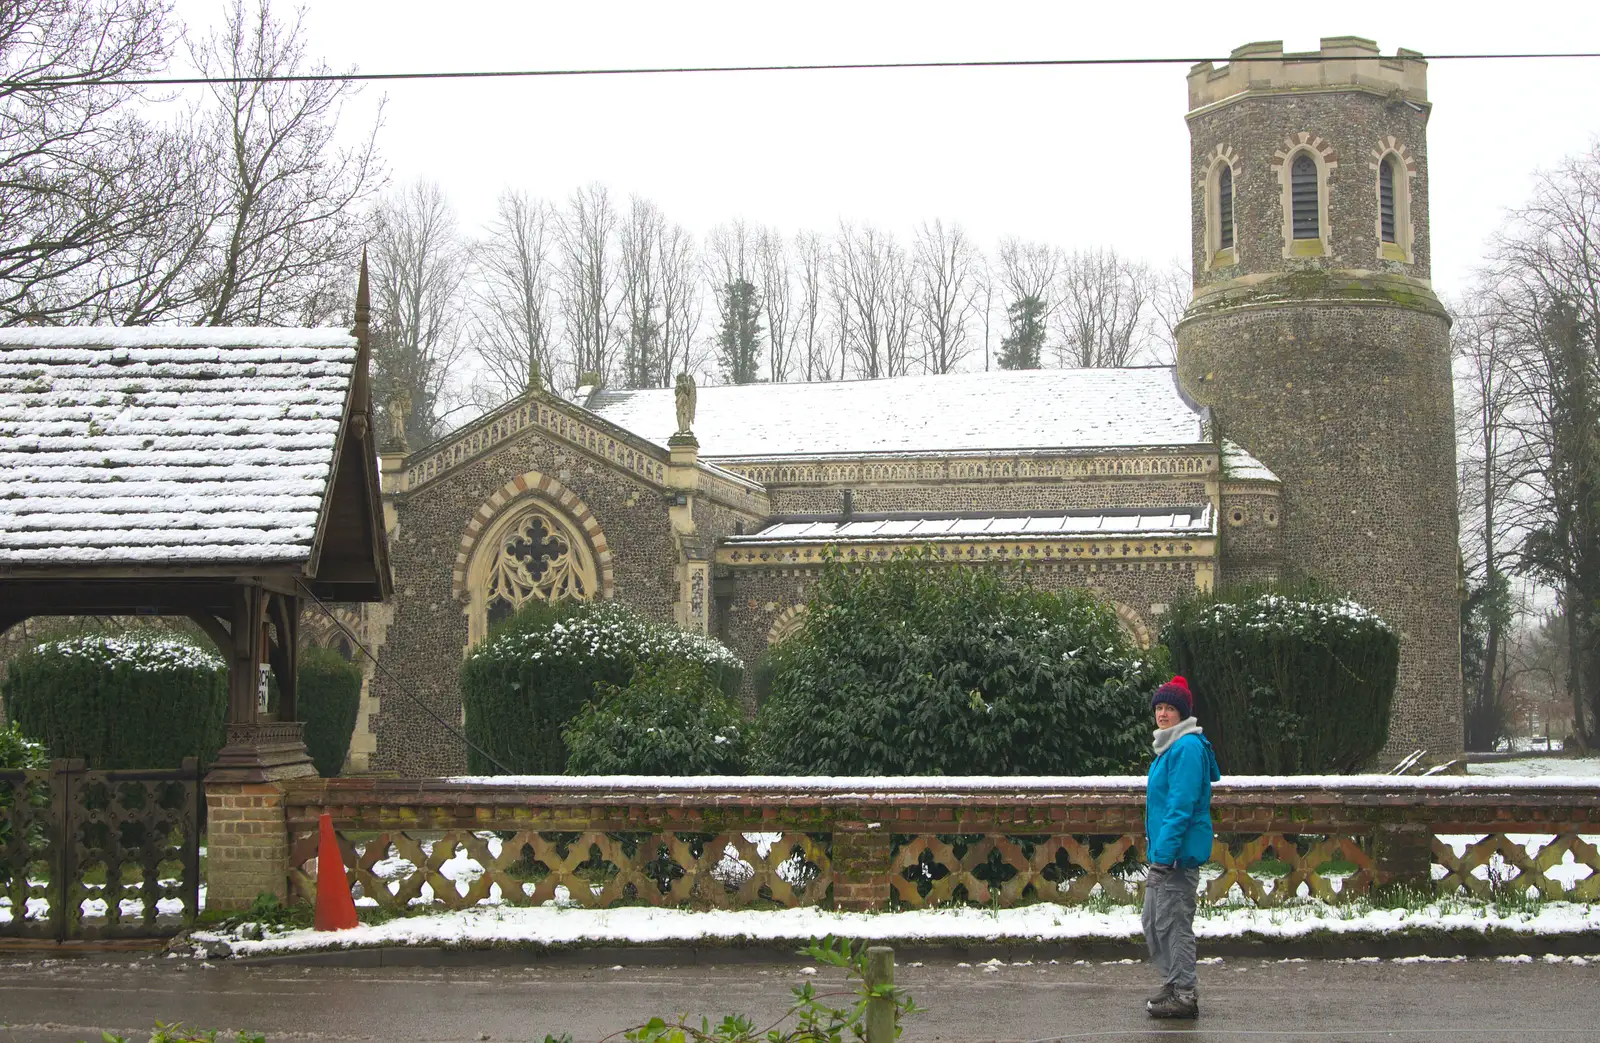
876	843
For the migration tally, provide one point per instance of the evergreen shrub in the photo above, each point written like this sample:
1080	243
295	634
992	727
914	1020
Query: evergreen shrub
923	667
20	753
1288	680
142	699
670	720
328	700
532	674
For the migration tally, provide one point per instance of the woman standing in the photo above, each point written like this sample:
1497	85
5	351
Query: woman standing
1177	828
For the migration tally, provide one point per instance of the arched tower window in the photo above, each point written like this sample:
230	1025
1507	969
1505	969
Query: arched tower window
1303	192
1386	199
1225	208
1221	239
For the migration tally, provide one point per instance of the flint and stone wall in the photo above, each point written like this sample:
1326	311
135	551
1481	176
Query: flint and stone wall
425	643
1334	370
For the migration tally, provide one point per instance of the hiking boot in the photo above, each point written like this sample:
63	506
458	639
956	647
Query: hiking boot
1165	993
1181	1003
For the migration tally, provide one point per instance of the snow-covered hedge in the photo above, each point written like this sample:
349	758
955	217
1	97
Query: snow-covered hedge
132	700
1286	681
523	684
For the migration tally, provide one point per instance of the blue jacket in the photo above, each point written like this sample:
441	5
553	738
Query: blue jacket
1177	808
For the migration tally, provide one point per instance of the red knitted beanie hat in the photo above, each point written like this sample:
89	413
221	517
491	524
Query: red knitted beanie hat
1174	693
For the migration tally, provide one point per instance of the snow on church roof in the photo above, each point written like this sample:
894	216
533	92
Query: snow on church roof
1186	521
167	446
985	412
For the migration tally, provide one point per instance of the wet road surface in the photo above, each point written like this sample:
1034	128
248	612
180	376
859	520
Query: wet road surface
62	1001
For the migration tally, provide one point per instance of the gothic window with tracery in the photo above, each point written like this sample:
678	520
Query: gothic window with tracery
536	553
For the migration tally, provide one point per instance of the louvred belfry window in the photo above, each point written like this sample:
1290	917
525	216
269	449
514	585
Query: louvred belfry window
1386	198
1225	209
1303	197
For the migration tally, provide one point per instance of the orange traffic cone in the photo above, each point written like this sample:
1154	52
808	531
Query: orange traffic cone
336	910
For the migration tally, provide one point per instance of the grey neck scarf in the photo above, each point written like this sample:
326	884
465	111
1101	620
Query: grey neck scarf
1165	737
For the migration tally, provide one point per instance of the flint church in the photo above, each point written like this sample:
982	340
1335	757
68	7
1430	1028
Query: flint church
1306	429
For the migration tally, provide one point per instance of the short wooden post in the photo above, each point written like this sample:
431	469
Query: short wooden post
880	1009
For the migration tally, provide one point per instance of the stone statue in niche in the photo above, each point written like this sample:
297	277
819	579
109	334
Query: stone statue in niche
684	395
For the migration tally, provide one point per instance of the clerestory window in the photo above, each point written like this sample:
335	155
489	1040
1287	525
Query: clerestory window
1303	198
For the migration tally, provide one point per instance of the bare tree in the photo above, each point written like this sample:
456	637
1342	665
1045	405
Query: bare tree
513	314
1546	281
946	276
1027	270
291	198
872	291
1100	311
812	266
640	244
1171	288
76	198
419	265
681	304
772	263
1492	463
588	276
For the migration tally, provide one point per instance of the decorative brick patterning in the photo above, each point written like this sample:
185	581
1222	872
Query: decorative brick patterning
891	843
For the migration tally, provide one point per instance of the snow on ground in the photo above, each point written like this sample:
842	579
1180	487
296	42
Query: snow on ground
1542	768
553	925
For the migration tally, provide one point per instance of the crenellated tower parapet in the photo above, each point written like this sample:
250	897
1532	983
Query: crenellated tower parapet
1342	63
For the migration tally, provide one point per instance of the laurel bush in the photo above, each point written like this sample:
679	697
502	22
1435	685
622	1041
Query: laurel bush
923	667
1287	680
524	683
669	720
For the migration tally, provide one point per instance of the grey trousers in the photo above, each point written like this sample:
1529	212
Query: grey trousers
1169	901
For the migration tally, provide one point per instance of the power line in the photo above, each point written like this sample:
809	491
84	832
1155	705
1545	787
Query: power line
1020	63
400	687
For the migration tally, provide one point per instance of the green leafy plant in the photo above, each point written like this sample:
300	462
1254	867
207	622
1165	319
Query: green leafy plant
1287	680
924	667
20	753
669	720
140	699
814	1017
524	683
176	1033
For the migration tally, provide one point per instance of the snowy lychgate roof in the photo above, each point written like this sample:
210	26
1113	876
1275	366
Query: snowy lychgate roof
167	446
1191	521
985	412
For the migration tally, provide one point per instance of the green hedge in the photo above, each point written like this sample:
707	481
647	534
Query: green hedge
670	720
1286	681
134	700
521	685
328	701
922	667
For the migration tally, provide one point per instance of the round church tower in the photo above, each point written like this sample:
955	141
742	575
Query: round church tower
1316	339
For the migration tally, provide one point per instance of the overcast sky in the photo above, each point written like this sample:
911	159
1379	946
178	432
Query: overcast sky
1076	156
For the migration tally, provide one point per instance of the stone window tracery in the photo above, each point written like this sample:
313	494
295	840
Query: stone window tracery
535	553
